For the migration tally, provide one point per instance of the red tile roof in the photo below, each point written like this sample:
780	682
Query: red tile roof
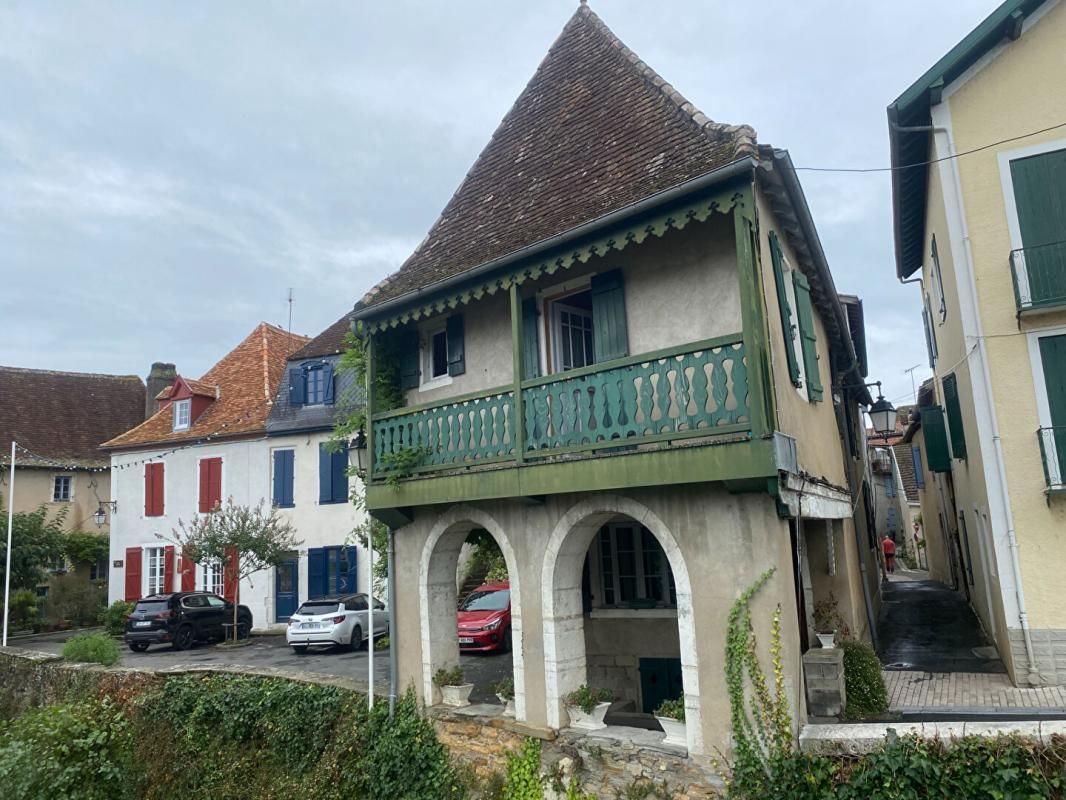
197	387
64	416
595	130
247	378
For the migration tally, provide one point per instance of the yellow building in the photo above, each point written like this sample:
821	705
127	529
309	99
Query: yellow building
979	200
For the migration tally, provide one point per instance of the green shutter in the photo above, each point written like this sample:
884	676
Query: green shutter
808	338
610	339
786	311
1040	199
407	344
951	402
456	346
1053	356
530	351
937	455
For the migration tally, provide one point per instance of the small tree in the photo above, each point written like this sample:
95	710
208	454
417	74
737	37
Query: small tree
36	544
243	540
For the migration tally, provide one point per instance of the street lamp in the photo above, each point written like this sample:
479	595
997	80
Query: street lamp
100	517
883	415
357	454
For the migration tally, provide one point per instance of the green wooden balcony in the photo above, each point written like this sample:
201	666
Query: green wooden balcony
686	392
1039	276
1053	456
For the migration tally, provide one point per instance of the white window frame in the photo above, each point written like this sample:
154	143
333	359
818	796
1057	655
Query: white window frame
557	307
1043	407
154	569
70	489
547	332
1010	204
320	368
936	277
182	414
210	577
429	381
619	606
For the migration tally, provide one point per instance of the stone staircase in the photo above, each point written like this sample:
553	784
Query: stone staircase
474	579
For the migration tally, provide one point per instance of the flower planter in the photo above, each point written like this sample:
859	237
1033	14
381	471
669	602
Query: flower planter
676	733
588	722
508	705
456	696
826	640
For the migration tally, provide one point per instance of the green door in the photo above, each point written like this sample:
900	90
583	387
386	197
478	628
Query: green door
1040	198
660	679
1053	356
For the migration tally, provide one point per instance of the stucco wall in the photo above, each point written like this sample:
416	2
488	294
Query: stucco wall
34	488
726	541
612	662
813	425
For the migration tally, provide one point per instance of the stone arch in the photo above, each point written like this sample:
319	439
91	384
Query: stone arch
437	596
565	662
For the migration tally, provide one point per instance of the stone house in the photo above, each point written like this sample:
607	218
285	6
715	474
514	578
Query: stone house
620	351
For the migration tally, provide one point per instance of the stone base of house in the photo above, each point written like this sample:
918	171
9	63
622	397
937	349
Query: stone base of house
1049	648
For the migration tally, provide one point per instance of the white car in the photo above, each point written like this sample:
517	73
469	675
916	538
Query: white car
340	620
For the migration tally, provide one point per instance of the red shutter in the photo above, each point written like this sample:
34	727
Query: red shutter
210	483
168	568
187	568
216	482
229	575
153	490
133	574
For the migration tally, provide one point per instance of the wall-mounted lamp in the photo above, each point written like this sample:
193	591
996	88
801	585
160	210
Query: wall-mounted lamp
357	455
100	517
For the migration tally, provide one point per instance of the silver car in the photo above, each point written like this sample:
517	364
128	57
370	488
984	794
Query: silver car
338	620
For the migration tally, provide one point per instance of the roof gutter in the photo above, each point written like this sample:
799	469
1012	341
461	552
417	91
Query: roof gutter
708	179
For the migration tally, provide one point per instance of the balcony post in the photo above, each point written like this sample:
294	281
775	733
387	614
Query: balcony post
753	320
369	405
518	421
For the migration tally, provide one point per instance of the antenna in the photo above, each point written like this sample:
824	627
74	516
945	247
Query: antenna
914	392
290	311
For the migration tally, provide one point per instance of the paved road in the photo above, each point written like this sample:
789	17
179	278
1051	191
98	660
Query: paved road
271	651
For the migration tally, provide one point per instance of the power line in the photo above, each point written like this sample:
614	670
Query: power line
935	160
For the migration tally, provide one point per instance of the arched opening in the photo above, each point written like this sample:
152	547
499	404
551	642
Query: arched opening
491	640
618	615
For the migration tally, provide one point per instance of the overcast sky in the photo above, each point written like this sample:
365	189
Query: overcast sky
169	170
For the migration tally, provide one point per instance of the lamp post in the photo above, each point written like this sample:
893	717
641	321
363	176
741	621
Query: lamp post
883	415
357	459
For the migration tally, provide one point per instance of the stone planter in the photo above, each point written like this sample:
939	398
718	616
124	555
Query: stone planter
826	640
676	733
508	705
456	696
588	722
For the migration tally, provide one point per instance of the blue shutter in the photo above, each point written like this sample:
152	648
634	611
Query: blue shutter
325	474
350	576
339	481
279	479
327	384
297	387
317	584
456	346
407	341
610	338
916	457
530	351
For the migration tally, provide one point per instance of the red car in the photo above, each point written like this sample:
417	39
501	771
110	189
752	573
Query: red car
485	619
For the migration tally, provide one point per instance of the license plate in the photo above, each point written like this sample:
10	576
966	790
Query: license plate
310	626
143	624
465	640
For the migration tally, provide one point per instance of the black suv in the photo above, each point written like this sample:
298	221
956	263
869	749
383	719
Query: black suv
182	618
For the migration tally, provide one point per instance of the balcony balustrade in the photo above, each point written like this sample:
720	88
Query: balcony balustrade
1039	276
1053	456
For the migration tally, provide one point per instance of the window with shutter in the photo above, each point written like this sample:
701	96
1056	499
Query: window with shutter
210	484
408	351
934	431
134	556
297	387
316	573
332	475
168	568
530	343
610	338
284	478
784	308
916	457
1039	184
938	280
954	411
808	338
456	345
153	489
1053	437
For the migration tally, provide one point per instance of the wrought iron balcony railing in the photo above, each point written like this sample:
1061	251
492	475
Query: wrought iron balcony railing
1053	455
693	390
1039	276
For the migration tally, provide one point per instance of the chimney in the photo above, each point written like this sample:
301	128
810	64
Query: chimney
159	378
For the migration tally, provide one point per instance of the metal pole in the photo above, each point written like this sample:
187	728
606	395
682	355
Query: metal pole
10	519
392	626
370	619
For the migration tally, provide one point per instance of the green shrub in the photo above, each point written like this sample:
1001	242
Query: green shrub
587	698
448	677
504	688
75	600
113	618
863	682
382	643
523	780
91	648
672	709
23	608
77	752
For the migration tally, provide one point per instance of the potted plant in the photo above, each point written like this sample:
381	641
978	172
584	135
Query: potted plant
505	691
587	707
452	689
826	620
671	716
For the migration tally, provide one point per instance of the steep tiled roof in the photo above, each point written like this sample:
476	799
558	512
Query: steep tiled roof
246	377
906	470
595	130
197	387
328	343
64	416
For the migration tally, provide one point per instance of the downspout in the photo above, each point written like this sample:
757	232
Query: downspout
392	624
997	442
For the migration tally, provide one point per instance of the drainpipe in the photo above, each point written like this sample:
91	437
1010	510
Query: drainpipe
392	624
997	442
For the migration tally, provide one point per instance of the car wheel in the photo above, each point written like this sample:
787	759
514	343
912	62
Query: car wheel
300	649
244	629
183	639
506	646
138	647
356	640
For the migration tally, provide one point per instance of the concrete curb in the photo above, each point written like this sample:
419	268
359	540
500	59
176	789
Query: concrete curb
864	737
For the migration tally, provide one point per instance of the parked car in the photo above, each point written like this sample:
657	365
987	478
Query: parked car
183	618
341	620
484	619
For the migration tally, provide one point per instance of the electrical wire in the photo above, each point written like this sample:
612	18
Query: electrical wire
935	160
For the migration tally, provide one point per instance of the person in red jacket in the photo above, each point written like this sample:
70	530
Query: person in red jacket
888	547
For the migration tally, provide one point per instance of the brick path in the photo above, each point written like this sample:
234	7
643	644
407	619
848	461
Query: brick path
966	691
